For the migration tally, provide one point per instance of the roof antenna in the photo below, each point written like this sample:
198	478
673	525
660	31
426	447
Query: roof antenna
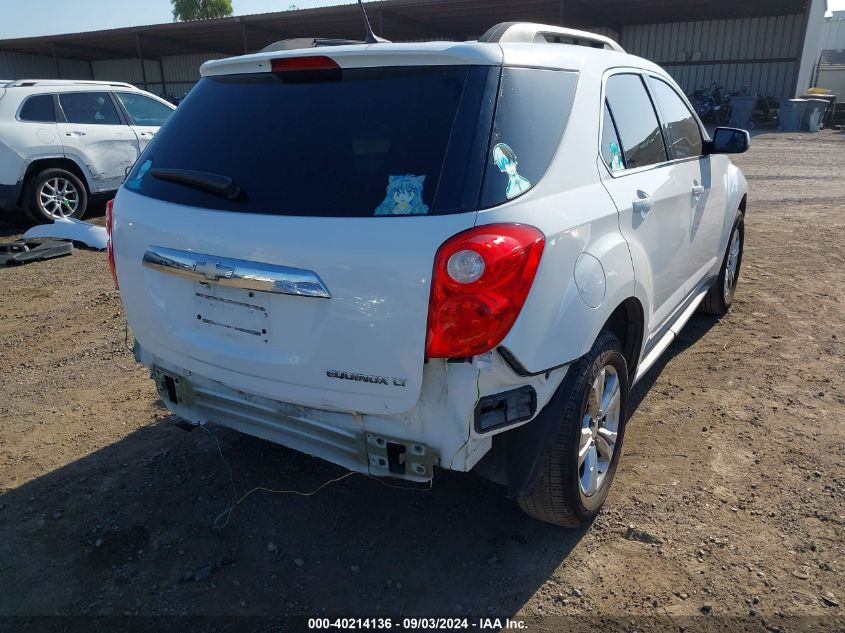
371	38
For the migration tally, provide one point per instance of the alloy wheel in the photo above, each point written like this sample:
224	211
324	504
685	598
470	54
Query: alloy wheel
731	269
58	197
599	430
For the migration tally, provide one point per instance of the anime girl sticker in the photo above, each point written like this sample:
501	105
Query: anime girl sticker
404	196
505	160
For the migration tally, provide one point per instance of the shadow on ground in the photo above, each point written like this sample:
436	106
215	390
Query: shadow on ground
128	529
695	329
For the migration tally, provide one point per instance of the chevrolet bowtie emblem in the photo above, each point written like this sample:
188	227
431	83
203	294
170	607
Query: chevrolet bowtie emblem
214	271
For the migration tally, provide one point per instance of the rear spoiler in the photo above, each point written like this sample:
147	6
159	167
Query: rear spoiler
306	42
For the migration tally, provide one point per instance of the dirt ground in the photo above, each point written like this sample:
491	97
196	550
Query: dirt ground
732	476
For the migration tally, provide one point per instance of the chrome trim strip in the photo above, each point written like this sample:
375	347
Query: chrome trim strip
236	273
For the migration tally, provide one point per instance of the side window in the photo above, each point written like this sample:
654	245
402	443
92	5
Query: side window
95	108
683	136
636	121
143	110
38	108
611	150
531	114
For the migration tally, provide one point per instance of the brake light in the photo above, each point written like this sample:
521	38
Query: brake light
480	282
110	245
311	62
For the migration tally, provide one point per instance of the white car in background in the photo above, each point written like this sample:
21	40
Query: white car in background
63	141
406	256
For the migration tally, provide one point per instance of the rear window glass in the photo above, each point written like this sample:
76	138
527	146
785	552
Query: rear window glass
531	113
39	108
352	143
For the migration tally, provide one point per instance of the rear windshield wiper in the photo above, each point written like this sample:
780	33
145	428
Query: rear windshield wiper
213	183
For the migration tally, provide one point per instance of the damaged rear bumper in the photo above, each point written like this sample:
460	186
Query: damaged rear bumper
444	428
334	436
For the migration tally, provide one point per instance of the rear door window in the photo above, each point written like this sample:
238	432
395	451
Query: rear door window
144	110
636	121
683	136
38	108
352	143
531	114
89	108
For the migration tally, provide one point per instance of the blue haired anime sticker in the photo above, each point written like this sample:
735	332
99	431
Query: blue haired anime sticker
505	160
135	183
404	196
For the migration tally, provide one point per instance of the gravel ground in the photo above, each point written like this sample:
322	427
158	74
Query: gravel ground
727	507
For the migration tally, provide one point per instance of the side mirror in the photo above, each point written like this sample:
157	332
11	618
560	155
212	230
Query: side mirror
728	140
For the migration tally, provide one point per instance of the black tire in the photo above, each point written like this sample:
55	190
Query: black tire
40	185
557	496
718	299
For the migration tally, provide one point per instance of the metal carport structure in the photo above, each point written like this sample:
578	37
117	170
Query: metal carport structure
691	38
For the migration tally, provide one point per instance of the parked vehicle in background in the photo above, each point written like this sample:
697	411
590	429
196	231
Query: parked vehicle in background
63	141
406	256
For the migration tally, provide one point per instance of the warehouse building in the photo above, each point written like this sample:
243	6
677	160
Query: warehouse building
768	47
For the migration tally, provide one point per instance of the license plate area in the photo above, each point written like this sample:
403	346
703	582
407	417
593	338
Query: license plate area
232	311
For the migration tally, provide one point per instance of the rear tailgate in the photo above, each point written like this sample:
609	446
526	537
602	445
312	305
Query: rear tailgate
360	350
352	177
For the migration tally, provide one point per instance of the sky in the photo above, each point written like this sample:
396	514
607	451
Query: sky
21	18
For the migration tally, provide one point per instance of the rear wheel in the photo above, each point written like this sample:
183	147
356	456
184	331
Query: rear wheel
719	298
592	406
53	194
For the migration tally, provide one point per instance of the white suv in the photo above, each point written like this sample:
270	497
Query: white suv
402	256
63	141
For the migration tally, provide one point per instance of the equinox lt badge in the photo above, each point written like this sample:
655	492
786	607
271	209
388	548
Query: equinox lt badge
376	380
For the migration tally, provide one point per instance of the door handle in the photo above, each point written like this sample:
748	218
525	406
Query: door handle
147	134
643	205
697	191
75	133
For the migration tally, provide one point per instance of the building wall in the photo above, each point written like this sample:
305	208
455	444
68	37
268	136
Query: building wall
24	66
832	34
173	77
832	37
758	54
183	71
810	53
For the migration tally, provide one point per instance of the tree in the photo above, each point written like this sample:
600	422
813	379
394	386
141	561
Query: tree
200	9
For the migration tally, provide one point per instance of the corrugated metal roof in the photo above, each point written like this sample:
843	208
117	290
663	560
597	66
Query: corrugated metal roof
832	60
399	20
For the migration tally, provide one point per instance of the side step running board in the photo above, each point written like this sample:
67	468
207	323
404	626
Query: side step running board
670	336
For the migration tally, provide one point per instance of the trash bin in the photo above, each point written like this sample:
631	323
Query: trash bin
831	100
742	109
813	116
791	112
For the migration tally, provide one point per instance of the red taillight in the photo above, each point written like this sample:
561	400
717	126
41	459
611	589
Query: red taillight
110	246
312	62
475	301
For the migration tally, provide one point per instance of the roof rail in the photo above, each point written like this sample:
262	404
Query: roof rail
17	83
528	32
